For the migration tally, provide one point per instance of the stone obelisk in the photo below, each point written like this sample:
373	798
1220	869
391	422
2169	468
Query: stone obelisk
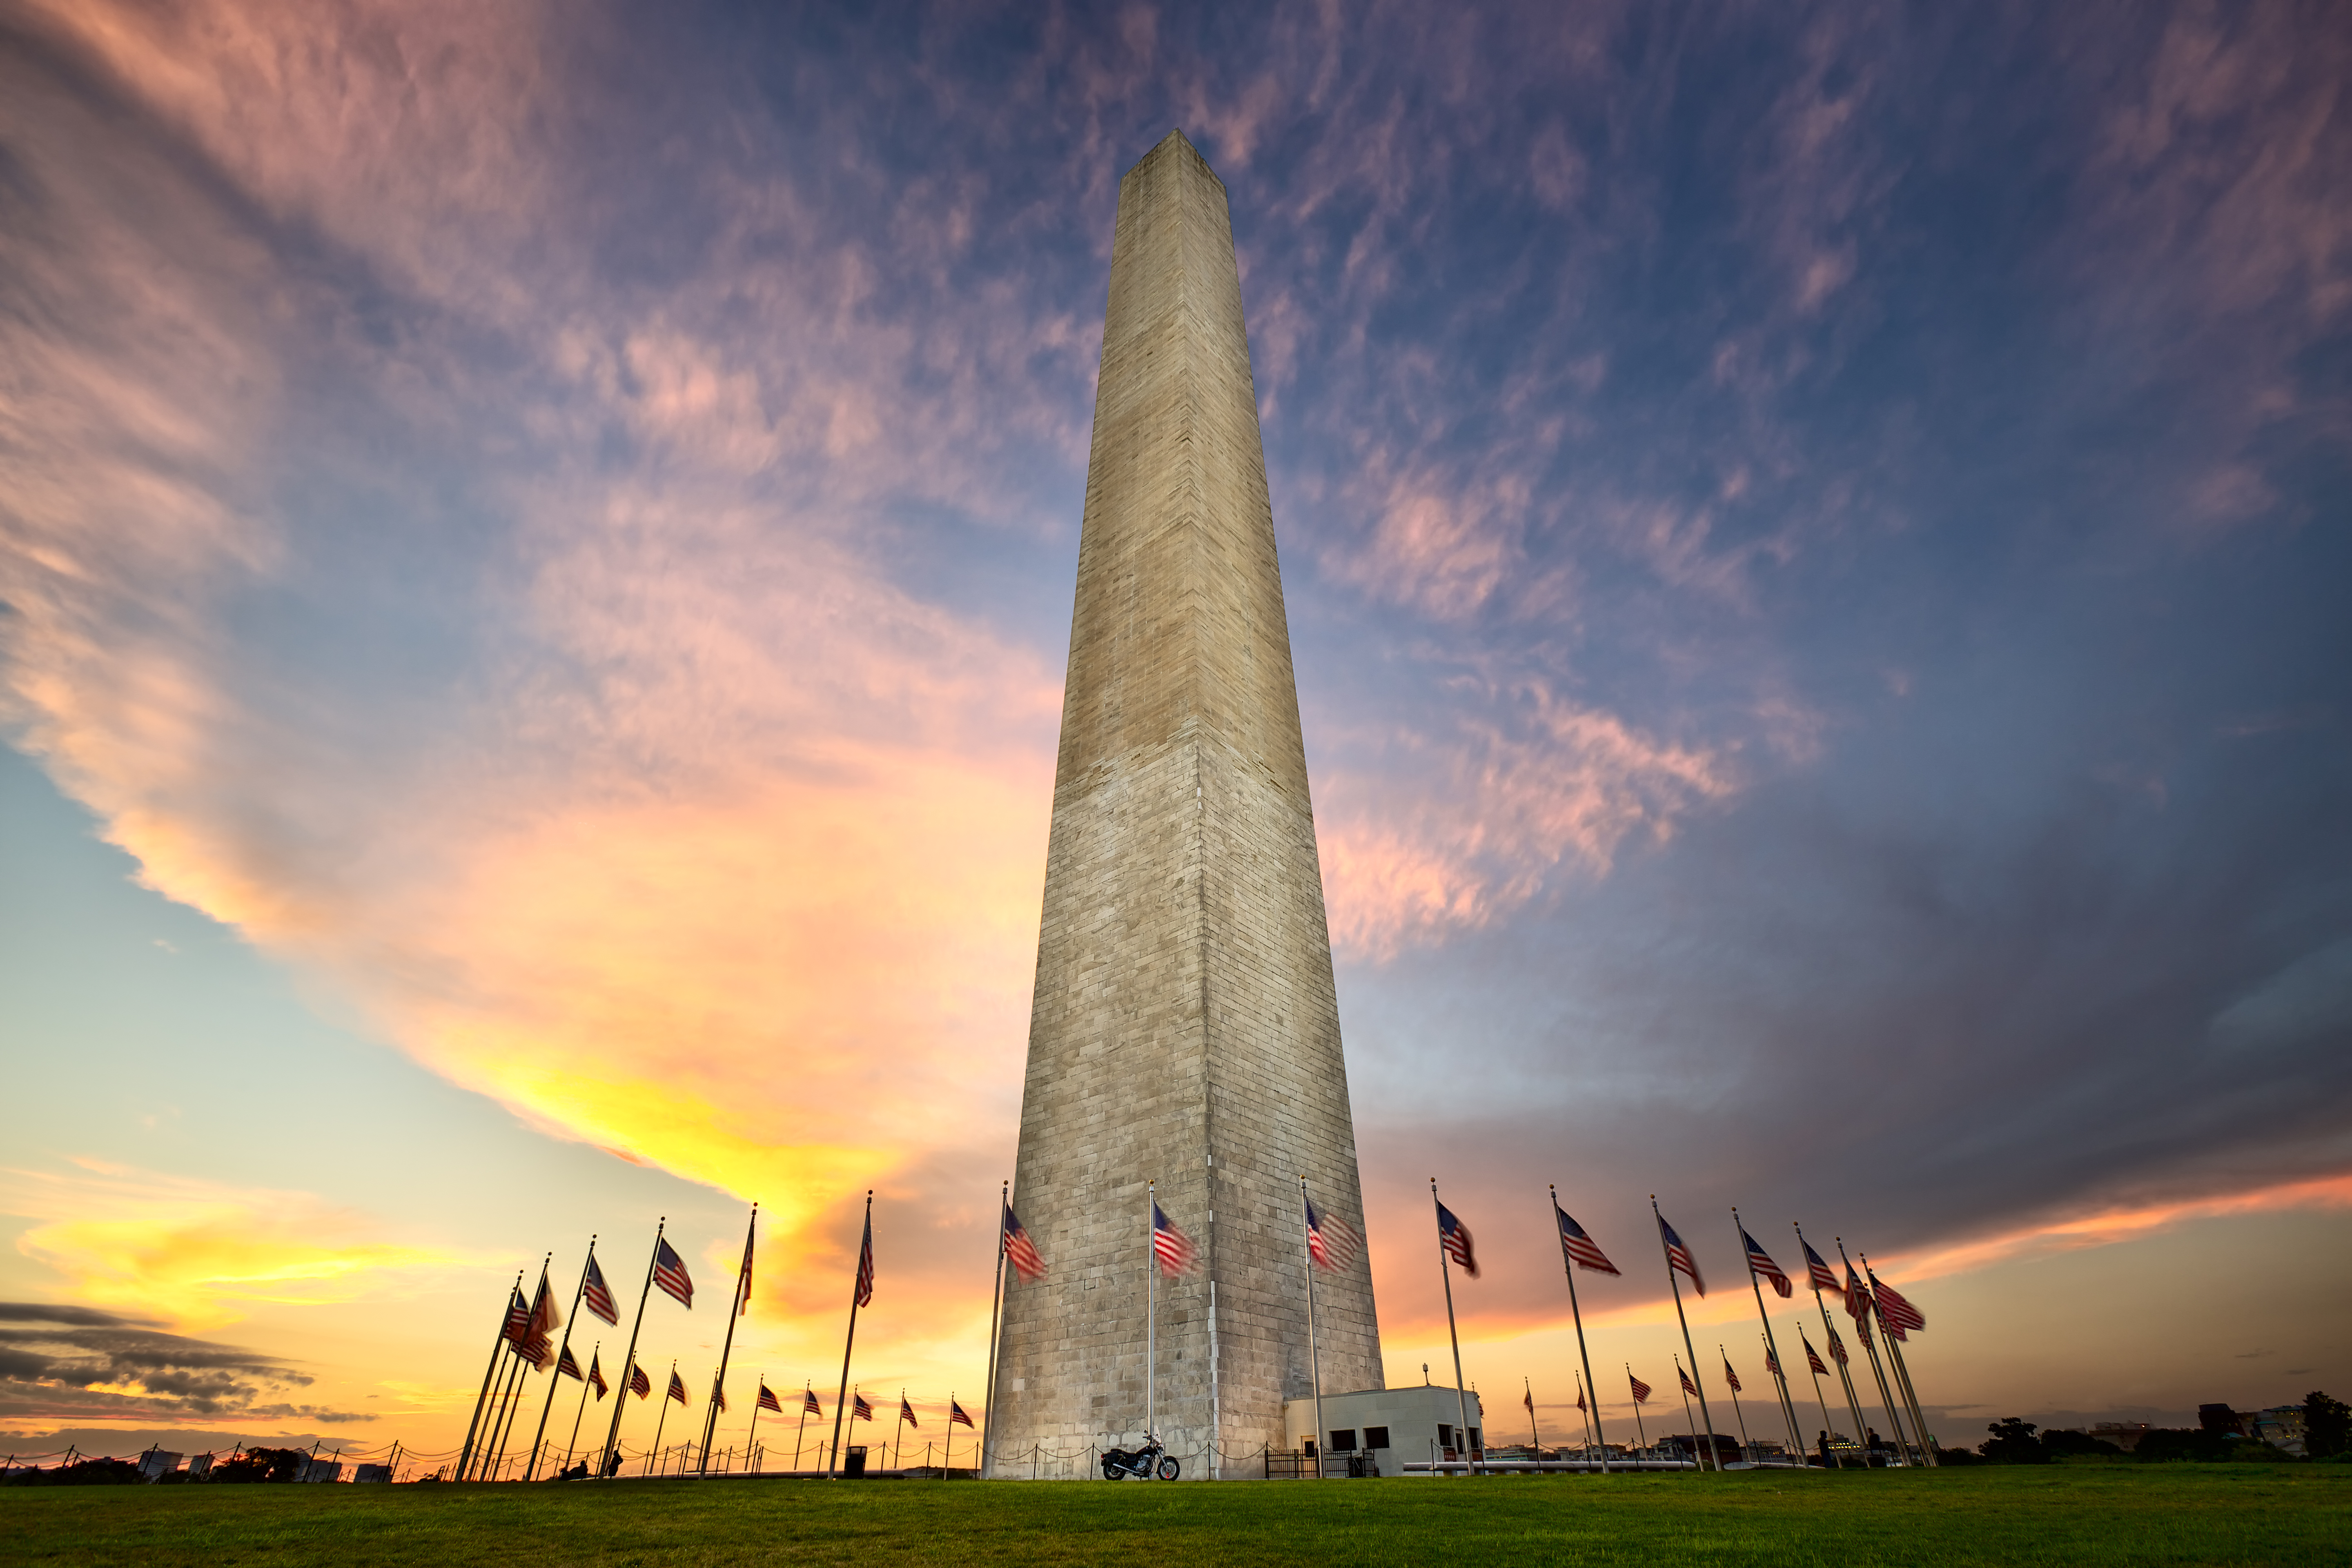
1184	1030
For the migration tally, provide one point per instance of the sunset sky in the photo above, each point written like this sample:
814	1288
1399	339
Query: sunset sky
536	557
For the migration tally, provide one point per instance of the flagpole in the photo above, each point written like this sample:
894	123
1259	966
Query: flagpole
1535	1433
1676	1287
629	1361
582	1414
801	1431
1584	1404
832	1468
1639	1431
1773	1350
1902	1372
1461	1400
1696	1460
1736	1413
1877	1370
553	1377
738	1304
1314	1346
1577	1313
752	1436
1818	1399
1151	1308
494	1439
1846	1378
661	1420
1816	1377
513	1404
995	1300
490	1375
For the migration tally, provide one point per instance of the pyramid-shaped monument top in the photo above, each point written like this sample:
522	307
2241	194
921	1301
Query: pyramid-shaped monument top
1184	1026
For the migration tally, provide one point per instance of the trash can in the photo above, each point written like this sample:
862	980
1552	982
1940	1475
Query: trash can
853	1460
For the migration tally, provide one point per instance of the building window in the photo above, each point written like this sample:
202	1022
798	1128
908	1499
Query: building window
1445	1435
1376	1437
1473	1437
1343	1440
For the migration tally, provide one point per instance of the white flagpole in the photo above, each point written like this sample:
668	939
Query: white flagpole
1696	1458
738	1304
995	1300
629	1361
1787	1409
1461	1400
1846	1378
1675	1286
866	1236
1313	1348
583	1414
1567	1267
1902	1372
554	1377
1151	1308
752	1438
1737	1414
1895	1418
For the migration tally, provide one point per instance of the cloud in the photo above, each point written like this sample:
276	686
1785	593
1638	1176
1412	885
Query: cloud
192	1252
64	1363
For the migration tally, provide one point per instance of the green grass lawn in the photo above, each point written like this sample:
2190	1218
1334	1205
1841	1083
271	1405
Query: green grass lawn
2298	1515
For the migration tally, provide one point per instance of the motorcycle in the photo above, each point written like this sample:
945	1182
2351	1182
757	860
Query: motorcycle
1121	1464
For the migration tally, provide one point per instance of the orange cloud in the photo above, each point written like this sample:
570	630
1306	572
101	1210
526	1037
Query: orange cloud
194	1252
2108	1227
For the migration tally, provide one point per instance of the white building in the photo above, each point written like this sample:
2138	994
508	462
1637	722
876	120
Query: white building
1390	1427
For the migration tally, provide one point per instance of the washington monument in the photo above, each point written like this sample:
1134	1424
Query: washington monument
1185	1029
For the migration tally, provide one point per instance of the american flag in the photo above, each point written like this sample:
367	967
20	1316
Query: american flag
597	1296
957	1417
1896	1309
1529	1401
1689	1386
1813	1356
639	1383
1019	1250
808	1402
596	1377
1760	1262
1731	1376
567	1367
1818	1275
1577	1247
718	1396
743	1281
539	1343
669	1273
1331	1242
518	1327
1837	1348
906	1412
1580	1394
1640	1389
1678	1257
1171	1247
1771	1361
864	1293
859	1409
1455	1237
676	1386
767	1400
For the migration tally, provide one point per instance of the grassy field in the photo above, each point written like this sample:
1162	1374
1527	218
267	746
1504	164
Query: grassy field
2142	1514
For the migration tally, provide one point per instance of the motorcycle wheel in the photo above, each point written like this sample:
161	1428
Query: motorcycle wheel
1169	1469
1110	1469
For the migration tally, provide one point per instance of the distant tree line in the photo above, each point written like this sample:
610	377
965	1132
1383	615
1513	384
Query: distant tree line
2326	1435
